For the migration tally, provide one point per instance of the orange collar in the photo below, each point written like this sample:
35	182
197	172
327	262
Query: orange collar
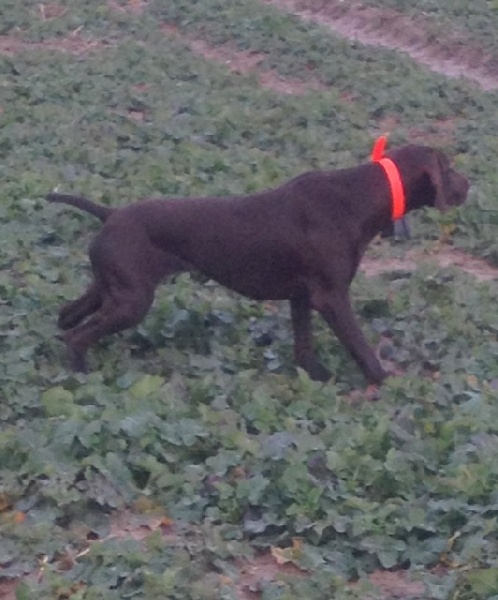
393	176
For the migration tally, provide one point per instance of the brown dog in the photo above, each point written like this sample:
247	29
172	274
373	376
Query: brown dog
300	242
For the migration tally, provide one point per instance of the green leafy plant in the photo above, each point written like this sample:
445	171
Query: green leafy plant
197	449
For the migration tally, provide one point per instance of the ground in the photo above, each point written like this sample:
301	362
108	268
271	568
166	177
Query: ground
448	54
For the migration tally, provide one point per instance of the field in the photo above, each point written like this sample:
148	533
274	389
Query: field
195	462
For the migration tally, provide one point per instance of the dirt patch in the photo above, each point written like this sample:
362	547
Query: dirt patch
451	55
244	62
265	569
136	7
445	257
371	266
129	525
8	590
479	269
397	585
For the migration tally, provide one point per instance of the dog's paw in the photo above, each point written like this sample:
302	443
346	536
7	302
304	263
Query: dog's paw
317	371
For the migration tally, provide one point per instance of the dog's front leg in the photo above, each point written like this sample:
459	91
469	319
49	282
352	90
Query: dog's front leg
336	309
303	339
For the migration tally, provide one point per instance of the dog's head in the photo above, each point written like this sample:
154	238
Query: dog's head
451	187
429	179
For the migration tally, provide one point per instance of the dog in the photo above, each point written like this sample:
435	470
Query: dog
301	242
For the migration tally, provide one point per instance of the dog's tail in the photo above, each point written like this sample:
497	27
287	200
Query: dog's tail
97	210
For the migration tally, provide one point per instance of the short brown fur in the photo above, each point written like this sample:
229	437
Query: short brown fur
301	242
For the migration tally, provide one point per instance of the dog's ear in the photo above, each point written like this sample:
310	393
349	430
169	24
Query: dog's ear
438	172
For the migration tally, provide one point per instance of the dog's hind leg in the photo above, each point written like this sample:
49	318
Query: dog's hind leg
120	310
303	339
73	313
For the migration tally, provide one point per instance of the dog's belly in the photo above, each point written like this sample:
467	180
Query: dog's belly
259	285
267	280
257	291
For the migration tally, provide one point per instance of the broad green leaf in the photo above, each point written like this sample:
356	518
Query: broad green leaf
148	384
58	402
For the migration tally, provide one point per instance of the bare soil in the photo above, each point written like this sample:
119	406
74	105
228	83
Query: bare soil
444	256
451	54
7	589
394	585
132	6
243	62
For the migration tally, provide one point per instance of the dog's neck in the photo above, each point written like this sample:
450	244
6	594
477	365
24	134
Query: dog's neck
393	176
398	196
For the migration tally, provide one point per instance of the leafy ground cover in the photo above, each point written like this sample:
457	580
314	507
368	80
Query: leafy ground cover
194	449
